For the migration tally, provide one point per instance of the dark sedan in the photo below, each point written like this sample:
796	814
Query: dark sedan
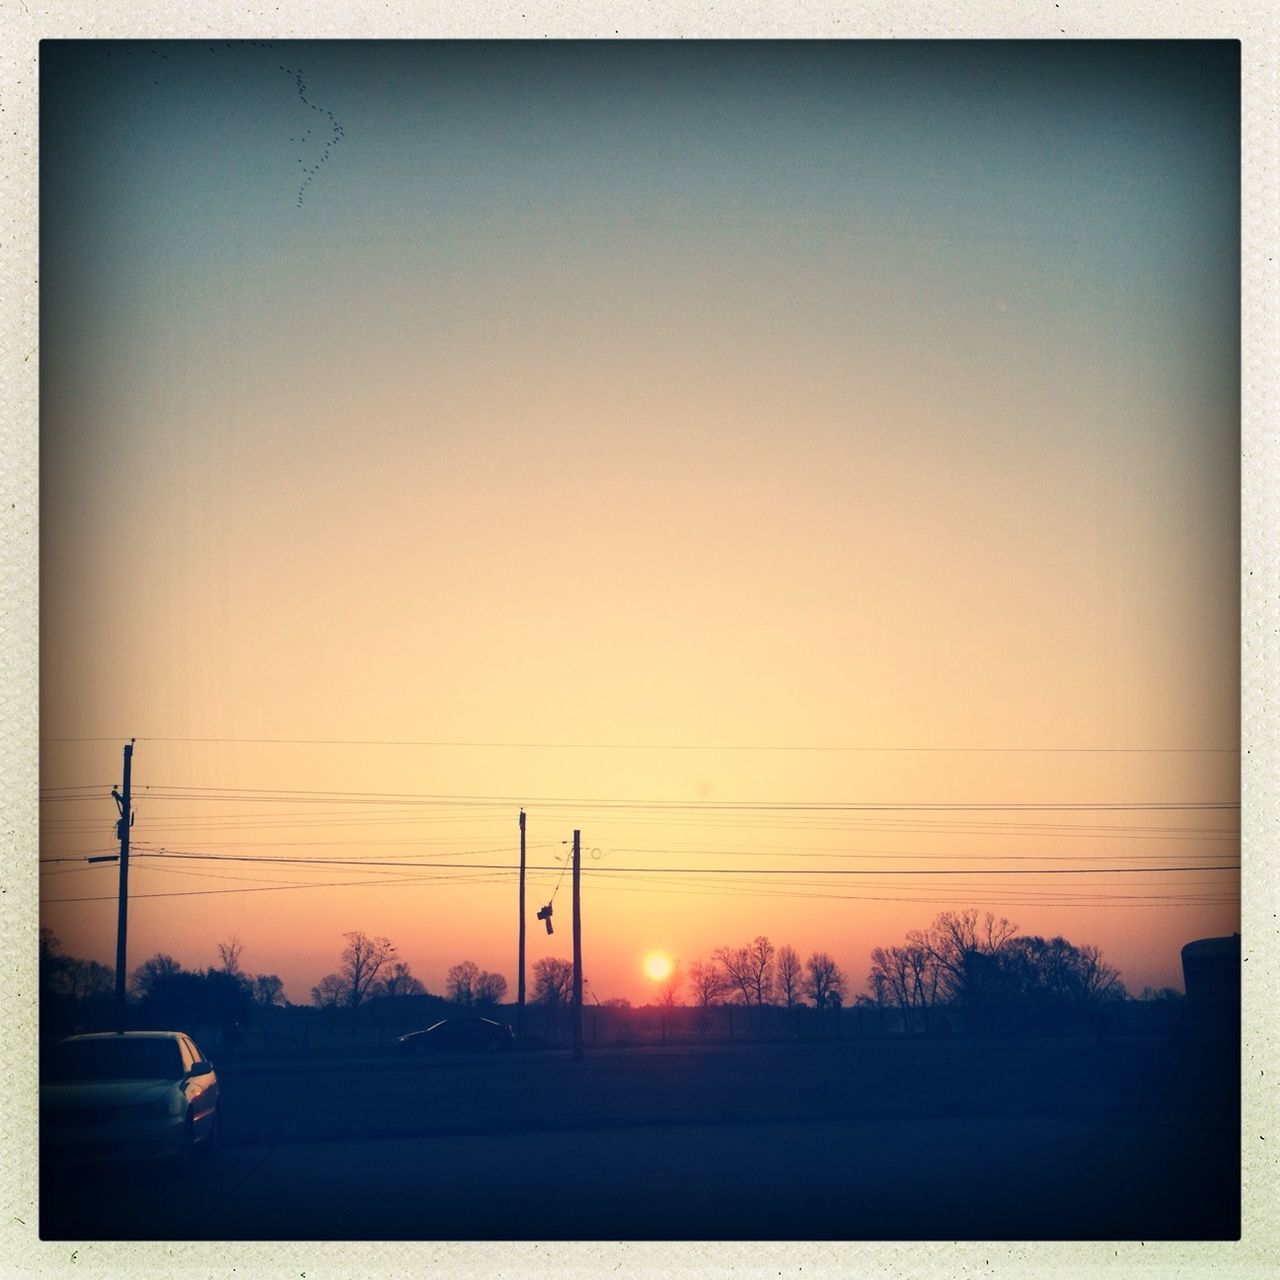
477	1035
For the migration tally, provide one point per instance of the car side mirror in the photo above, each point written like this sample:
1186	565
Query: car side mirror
201	1068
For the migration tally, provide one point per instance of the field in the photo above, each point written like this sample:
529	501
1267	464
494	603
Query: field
878	1138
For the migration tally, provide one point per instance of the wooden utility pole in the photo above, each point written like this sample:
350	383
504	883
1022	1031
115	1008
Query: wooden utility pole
122	799
520	961
577	946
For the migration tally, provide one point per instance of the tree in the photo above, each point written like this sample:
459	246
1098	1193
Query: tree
230	952
173	996
907	975
400	982
489	989
151	974
707	981
760	961
53	964
268	991
461	983
966	948
670	988
1099	982
980	964
73	992
552	981
790	974
824	982
1055	976
220	998
735	971
749	971
879	998
88	981
363	960
330	992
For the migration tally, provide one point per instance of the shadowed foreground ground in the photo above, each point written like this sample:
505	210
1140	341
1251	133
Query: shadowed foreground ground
868	1140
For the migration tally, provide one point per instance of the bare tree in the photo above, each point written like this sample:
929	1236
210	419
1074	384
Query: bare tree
909	976
461	983
552	981
760	957
363	960
980	965
1099	982
735	971
230	952
824	981
268	991
330	992
708	983
489	989
879	992
966	947
400	982
749	972
670	988
790	974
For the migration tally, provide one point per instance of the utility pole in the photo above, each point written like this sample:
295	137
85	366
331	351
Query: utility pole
520	962
577	946
122	799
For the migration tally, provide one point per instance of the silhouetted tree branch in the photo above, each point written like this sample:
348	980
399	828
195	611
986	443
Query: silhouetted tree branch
552	981
824	981
790	974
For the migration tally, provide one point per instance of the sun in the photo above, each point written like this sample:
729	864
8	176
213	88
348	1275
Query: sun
658	965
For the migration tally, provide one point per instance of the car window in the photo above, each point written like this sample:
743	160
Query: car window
190	1052
126	1058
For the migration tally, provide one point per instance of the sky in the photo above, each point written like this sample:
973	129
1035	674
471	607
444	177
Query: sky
739	452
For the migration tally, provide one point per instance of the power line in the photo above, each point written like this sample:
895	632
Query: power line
924	825
673	746
160	791
780	852
280	888
709	871
1046	899
929	895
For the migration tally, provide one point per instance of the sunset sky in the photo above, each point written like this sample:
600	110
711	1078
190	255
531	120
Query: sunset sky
739	452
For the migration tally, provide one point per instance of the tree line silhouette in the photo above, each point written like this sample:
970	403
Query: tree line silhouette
979	967
966	971
78	994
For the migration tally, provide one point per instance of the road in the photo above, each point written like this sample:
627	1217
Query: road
652	1170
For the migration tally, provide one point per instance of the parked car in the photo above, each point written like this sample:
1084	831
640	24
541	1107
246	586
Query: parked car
459	1034
128	1096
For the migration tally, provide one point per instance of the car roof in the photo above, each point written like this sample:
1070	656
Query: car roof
126	1035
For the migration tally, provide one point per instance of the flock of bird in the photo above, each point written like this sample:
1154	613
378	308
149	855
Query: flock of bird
335	135
309	171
